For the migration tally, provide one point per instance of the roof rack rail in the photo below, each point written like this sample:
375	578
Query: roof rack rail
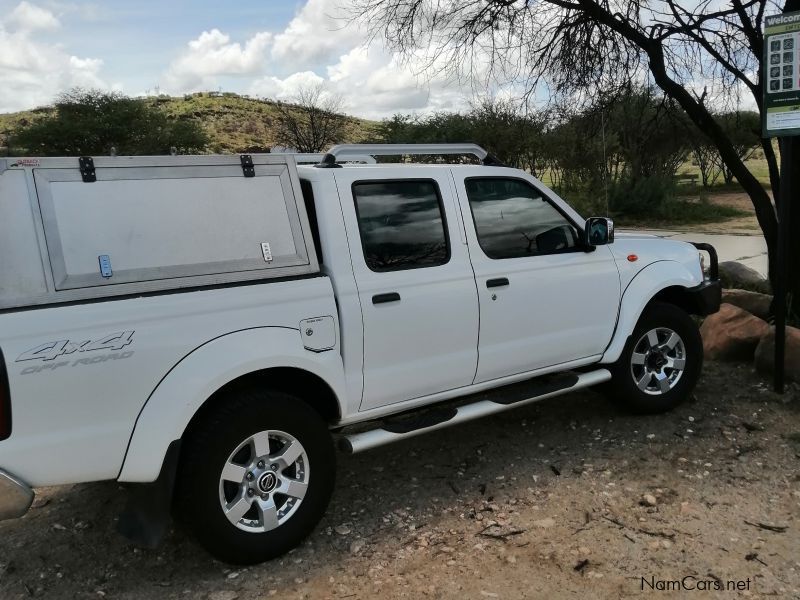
306	158
343	151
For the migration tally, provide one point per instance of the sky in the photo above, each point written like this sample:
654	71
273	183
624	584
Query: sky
264	48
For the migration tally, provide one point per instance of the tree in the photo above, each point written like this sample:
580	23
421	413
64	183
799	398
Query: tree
579	48
312	122
510	133
634	134
706	157
744	130
500	126
86	122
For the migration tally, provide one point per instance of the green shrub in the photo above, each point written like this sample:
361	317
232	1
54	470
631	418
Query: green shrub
646	197
87	122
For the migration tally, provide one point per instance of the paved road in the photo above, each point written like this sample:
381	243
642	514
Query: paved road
750	250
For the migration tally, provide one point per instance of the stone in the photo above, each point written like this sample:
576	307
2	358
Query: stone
732	333
753	302
765	354
223	595
648	500
342	530
736	275
545	523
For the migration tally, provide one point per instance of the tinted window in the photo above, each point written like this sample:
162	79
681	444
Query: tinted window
401	224
311	211
513	219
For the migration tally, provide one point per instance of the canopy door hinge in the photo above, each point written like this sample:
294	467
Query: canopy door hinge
86	164
247	165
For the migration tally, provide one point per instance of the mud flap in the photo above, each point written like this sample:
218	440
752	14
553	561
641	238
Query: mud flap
146	517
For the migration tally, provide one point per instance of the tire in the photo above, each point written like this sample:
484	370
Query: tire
237	456
647	378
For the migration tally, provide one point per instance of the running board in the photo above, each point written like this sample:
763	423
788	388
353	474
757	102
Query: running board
485	403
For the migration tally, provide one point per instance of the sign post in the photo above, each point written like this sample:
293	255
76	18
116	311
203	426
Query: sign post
781	118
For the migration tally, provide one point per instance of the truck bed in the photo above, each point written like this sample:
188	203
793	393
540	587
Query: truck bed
116	353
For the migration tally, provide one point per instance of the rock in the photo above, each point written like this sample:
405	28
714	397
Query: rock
736	275
648	500
753	302
356	547
545	523
732	333
765	354
342	530
223	595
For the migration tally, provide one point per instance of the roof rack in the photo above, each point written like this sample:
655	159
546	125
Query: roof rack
346	151
305	158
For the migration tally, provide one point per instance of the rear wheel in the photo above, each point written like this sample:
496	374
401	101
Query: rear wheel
255	476
661	362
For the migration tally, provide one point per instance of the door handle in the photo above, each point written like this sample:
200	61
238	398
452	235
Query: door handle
383	298
499	282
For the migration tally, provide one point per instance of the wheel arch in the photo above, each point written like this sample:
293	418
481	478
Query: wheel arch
680	296
662	281
310	387
268	356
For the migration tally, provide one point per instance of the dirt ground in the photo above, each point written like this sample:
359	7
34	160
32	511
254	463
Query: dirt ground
547	501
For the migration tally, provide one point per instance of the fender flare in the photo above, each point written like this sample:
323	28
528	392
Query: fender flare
185	388
648	282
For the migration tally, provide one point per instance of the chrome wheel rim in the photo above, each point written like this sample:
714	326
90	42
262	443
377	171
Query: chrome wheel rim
658	361
264	481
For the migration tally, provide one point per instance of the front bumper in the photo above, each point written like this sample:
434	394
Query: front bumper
15	496
705	298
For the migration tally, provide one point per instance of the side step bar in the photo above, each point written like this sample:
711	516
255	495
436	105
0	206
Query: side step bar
484	404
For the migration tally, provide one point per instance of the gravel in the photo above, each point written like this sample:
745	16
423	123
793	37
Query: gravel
538	502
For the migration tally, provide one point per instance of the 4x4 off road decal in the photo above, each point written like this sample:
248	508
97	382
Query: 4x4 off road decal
52	350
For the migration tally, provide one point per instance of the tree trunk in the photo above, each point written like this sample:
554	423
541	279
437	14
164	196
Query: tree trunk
762	203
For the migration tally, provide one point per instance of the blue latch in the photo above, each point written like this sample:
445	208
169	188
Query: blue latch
105	265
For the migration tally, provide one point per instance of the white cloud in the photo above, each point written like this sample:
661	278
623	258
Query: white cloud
376	83
34	71
372	82
320	30
287	88
27	17
213	54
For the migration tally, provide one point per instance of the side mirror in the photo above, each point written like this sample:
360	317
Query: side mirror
599	231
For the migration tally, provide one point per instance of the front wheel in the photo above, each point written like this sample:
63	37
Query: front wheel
661	362
255	476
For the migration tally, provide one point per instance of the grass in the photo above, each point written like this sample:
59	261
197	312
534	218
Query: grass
674	213
756	164
683	212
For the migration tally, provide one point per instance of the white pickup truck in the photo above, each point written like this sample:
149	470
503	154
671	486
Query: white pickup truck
210	326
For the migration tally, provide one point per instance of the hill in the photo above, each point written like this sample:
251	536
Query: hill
234	123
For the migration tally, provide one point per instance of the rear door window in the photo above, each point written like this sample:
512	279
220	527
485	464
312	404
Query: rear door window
401	224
